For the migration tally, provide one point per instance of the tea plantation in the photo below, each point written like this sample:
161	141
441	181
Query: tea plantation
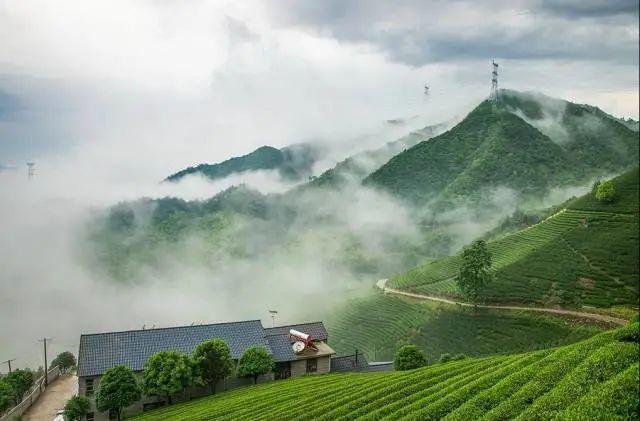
586	254
597	378
386	322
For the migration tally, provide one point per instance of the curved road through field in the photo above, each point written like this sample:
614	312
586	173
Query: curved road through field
381	284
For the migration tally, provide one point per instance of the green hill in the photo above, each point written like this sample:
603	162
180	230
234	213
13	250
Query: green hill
586	254
294	162
358	166
378	324
594	379
495	147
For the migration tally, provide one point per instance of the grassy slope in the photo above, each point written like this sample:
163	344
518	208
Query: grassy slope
378	324
585	255
594	379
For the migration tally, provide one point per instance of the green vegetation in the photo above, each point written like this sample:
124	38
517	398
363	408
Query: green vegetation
212	359
76	408
379	324
473	275
586	254
409	357
66	361
19	382
593	379
605	192
292	162
118	389
6	396
167	373
493	147
254	362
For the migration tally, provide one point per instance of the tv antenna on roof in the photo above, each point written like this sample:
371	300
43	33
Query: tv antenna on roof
273	314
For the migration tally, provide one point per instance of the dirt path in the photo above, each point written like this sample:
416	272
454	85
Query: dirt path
53	399
600	317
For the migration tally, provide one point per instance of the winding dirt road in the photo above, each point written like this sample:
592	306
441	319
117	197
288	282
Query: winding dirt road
381	284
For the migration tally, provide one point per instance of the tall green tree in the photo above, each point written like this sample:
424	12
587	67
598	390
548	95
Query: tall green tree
409	357
6	396
254	362
118	389
213	361
474	273
65	361
76	408
167	373
20	381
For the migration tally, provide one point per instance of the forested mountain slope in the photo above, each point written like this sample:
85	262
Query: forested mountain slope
495	147
594	379
586	254
292	162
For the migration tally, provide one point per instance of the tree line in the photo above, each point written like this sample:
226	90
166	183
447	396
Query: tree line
167	373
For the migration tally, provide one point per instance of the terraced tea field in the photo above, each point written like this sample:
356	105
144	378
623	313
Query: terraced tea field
594	379
385	322
586	254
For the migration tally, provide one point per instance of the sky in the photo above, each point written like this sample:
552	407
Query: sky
110	97
149	87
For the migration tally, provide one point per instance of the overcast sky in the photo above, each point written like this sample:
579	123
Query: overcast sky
138	89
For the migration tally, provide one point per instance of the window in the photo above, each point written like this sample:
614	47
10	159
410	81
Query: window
88	383
312	365
90	416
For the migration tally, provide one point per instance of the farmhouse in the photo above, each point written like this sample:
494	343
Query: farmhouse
296	349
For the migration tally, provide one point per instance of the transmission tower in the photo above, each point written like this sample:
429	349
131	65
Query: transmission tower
493	96
31	169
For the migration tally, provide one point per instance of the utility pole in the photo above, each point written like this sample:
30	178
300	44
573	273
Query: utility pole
8	362
46	367
493	96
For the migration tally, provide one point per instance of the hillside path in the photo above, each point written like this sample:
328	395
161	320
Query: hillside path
53	399
381	284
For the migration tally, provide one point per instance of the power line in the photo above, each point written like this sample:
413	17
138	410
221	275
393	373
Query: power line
8	362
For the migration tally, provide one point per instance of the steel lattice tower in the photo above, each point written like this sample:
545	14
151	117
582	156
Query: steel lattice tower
493	96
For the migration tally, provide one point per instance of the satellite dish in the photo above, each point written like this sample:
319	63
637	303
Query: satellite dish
298	347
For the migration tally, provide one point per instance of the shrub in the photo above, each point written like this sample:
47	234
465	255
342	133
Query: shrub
459	357
629	333
76	408
605	192
409	357
20	382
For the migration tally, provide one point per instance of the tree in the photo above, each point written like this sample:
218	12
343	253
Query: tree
20	382
118	389
167	373
213	361
6	396
76	408
65	361
254	362
605	192
409	357
474	272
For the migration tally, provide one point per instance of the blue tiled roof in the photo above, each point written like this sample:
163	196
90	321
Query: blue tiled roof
101	351
348	363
